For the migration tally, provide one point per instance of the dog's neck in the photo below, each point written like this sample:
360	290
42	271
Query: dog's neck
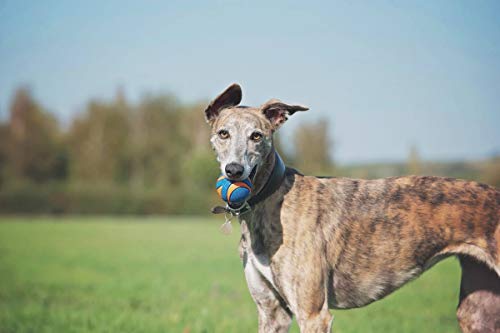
264	172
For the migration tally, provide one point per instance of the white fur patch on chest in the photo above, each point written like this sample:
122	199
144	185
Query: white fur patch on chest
262	265
259	263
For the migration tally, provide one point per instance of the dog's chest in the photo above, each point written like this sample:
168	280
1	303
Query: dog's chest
260	262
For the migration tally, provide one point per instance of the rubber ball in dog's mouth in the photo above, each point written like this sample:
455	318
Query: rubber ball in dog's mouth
233	191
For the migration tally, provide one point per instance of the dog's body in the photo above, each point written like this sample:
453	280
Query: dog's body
321	243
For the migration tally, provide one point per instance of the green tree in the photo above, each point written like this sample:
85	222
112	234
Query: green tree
34	146
4	143
98	141
158	143
313	147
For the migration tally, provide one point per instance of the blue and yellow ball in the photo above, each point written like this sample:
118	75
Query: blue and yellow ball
233	192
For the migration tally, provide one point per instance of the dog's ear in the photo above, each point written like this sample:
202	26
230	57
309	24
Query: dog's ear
278	112
230	97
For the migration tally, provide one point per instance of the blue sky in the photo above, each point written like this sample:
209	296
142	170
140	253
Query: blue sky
386	74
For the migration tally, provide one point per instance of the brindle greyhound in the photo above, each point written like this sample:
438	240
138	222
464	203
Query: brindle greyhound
320	243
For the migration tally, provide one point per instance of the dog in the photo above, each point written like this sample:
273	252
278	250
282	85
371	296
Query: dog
312	244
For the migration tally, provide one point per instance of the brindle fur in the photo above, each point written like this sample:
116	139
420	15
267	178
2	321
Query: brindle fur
321	243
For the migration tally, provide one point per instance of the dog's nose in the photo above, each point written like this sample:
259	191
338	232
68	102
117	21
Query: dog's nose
234	170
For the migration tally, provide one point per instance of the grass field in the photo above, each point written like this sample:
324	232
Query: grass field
168	275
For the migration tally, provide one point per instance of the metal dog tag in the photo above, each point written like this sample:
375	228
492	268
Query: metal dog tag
227	228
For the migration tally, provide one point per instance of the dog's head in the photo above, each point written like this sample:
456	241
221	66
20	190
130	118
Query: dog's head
242	136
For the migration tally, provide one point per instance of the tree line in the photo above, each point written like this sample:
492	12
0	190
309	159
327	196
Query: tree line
154	157
151	157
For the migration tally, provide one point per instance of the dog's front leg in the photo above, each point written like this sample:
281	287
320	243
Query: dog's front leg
318	321
273	314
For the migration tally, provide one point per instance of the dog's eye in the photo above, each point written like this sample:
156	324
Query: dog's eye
256	136
223	134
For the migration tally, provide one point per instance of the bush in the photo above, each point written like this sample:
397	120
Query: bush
64	199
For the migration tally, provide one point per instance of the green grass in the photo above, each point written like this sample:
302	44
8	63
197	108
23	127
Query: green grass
167	275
